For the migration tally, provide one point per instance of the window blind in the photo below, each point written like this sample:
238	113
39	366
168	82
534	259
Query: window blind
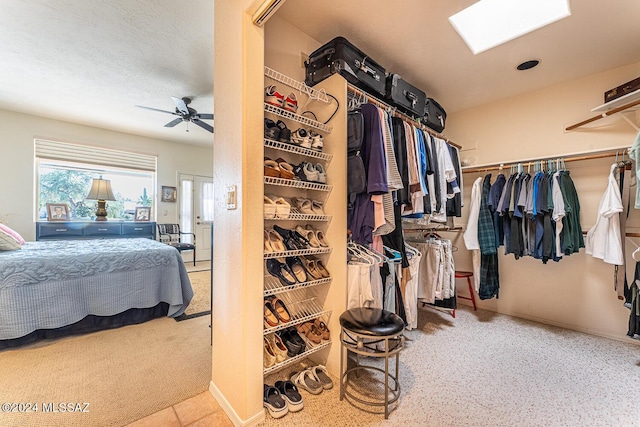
56	150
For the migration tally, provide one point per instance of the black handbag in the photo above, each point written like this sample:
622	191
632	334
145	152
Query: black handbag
356	173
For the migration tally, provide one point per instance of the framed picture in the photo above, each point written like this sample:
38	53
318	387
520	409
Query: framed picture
169	194
143	213
57	212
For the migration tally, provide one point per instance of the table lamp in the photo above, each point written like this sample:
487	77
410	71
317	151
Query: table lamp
101	191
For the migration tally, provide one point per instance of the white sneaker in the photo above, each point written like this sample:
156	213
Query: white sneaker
322	175
301	138
317	142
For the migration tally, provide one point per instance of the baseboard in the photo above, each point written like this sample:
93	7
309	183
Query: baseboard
231	413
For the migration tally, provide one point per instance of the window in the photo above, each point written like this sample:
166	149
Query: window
64	173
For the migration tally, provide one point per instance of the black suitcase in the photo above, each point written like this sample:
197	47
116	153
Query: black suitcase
406	97
340	56
434	115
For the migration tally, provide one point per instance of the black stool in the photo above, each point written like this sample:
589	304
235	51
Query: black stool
375	333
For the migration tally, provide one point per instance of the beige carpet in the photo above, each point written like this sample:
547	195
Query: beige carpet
124	374
485	369
201	302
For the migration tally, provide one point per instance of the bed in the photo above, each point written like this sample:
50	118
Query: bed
51	288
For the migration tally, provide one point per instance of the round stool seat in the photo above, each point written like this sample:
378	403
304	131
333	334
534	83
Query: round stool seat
462	274
371	321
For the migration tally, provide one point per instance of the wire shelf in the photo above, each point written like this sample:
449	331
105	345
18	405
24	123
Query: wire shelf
297	118
295	215
294	183
273	286
299	252
291	360
296	149
319	95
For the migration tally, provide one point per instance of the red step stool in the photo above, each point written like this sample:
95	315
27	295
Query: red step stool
468	275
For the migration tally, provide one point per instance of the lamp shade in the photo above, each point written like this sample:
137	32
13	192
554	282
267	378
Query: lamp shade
101	190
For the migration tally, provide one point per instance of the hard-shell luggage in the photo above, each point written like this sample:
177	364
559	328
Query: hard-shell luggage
340	56
434	115
406	97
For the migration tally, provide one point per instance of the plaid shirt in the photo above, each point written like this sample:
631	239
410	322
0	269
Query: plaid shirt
486	232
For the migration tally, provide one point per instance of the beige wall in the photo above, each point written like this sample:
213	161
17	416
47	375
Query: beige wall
577	292
17	196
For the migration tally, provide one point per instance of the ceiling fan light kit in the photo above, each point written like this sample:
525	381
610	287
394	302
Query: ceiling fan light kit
185	113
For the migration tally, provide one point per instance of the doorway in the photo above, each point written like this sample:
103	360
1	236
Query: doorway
196	212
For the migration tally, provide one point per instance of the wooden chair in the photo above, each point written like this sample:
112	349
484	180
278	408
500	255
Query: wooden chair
171	235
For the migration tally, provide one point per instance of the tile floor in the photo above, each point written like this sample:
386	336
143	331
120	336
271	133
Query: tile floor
199	411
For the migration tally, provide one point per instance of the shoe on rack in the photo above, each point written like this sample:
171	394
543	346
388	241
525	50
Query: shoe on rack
279	309
308	234
317	207
273	97
320	236
303	205
278	347
271	130
296	338
275	241
285	132
271	168
269	207
322	327
281	271
295	264
312	270
321	374
293	347
306	172
290	393
291	103
269	358
306	381
270	318
322	175
273	401
322	269
282	207
301	138
310	331
317	142
286	170
267	244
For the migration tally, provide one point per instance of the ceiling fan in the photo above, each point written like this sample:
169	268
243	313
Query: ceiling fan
186	113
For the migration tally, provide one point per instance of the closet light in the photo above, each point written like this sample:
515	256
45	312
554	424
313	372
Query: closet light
489	23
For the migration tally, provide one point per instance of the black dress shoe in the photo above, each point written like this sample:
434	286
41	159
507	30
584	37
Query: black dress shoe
297	339
281	271
298	268
291	239
293	348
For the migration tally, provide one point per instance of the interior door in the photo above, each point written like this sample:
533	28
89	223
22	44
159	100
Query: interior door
203	215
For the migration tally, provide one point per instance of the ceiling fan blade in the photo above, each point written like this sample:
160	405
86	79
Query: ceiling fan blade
173	123
205	116
155	109
180	105
203	125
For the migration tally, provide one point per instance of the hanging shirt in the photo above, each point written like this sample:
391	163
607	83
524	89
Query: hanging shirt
470	235
634	153
603	239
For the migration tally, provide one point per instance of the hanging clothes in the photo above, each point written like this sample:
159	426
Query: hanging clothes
634	154
470	235
603	239
489	275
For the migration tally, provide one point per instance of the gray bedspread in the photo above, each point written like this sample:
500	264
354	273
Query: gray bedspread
50	284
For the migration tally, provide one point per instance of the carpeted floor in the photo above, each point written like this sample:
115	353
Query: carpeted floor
124	374
486	369
200	305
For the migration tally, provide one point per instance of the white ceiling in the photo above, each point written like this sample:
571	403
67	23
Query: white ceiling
91	61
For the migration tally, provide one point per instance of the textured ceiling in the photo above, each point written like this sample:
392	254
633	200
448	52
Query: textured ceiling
91	61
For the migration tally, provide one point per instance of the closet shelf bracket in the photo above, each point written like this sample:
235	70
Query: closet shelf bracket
606	113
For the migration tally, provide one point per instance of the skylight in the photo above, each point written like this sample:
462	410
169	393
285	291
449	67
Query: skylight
489	23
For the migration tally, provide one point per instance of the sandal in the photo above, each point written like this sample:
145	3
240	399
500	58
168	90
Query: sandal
277	347
286	170
309	235
322	327
290	393
276	242
313	334
271	168
321	374
306	381
269	358
317	207
273	401
312	271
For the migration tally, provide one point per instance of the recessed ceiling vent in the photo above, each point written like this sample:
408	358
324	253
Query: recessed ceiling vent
527	65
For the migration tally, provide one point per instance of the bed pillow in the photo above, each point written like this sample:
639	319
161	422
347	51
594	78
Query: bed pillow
8	242
12	233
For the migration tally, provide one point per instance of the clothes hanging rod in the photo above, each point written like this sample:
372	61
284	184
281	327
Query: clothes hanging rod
627	234
397	113
609	152
603	115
